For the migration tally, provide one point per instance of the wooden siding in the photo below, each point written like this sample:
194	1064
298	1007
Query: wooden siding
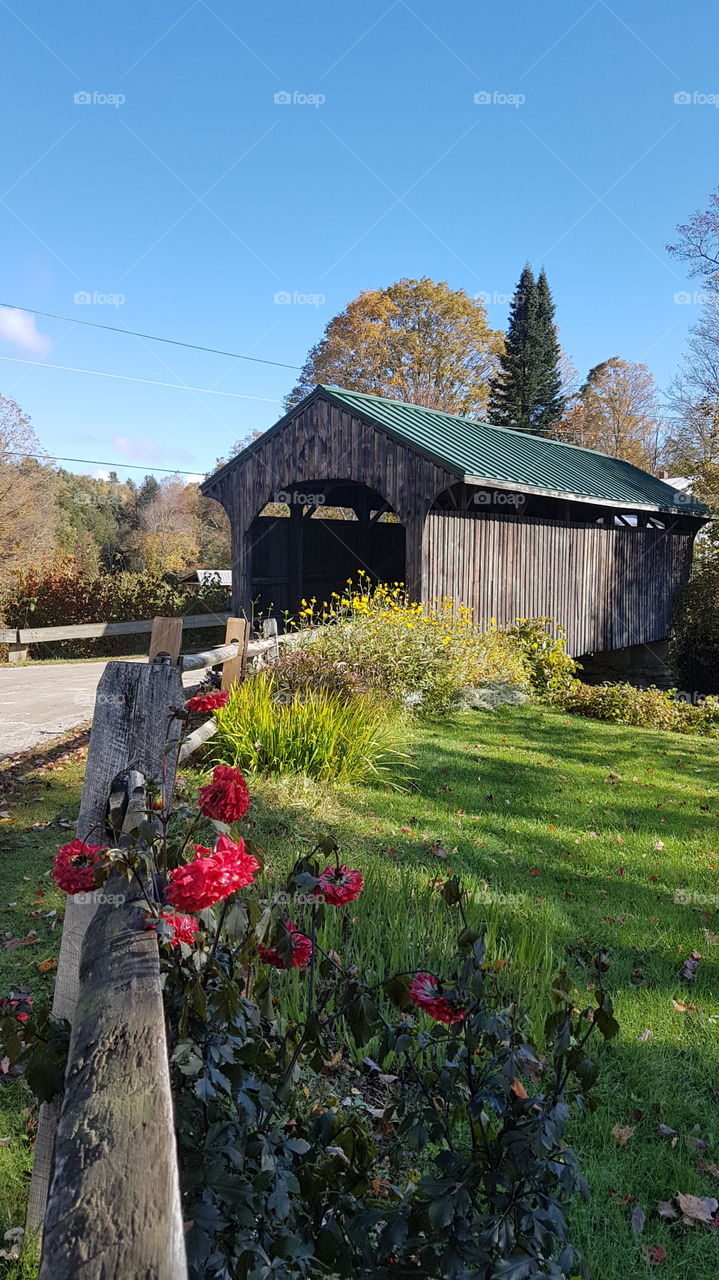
324	442
608	587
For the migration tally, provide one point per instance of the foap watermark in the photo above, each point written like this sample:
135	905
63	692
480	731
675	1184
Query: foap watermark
695	98
97	99
498	497
83	298
283	298
299	499
495	98
98	898
495	299
295	98
693	298
688	898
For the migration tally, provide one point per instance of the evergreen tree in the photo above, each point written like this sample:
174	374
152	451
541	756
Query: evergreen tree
526	394
550	401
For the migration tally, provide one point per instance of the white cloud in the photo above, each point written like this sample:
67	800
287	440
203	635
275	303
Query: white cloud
20	329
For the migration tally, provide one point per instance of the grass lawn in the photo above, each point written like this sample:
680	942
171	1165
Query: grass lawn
573	835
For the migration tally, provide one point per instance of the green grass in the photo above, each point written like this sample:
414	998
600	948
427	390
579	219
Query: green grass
527	791
504	795
45	790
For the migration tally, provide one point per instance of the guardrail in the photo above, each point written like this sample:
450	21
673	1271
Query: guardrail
20	638
111	1209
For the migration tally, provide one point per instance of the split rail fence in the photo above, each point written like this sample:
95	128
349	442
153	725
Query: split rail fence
105	1190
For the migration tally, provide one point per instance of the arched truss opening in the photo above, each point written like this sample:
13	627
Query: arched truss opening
312	537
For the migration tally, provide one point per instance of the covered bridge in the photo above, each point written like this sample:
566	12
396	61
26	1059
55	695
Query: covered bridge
511	524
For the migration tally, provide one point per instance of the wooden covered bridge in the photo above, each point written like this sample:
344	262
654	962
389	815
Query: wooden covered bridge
511	524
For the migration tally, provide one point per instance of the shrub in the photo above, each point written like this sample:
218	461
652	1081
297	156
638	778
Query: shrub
299	670
409	652
316	732
694	647
542	646
647	708
65	595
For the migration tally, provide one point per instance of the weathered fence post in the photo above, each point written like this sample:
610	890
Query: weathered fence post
114	1209
130	727
269	632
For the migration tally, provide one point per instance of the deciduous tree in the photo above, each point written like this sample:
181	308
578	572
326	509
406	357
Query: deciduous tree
417	340
616	412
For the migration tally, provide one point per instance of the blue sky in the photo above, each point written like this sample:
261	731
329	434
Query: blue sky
184	209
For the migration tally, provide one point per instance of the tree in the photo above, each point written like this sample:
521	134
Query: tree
699	244
417	340
616	412
692	445
526	393
28	515
167	536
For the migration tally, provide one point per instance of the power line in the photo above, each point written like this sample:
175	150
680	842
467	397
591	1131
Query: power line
151	337
96	462
149	382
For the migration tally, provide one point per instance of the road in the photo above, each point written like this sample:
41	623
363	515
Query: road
37	703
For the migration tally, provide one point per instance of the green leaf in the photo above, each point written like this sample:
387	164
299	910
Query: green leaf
397	990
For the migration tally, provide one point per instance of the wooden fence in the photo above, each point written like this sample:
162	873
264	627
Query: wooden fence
19	639
105	1188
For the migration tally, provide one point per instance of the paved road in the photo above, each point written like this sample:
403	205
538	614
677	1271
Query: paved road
38	703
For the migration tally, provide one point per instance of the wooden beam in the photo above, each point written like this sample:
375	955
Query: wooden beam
166	637
237	631
94	630
114	1209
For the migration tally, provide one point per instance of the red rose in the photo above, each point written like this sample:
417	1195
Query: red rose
226	798
74	866
301	951
207	701
339	885
212	876
426	992
183	928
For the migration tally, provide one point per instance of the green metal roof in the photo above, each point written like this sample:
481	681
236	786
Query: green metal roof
480	452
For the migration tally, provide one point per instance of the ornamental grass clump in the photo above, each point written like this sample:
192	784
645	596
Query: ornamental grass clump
321	734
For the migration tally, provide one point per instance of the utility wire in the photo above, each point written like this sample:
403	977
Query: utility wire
97	462
149	382
151	337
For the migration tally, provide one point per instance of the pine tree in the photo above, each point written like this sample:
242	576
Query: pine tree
526	394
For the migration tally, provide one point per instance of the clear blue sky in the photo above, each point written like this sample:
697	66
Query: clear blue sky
199	198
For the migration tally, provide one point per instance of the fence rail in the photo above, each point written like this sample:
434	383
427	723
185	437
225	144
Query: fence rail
111	1209
20	638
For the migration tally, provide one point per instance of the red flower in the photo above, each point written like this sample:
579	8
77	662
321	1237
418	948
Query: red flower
212	876
207	701
74	866
301	951
226	798
183	928
426	992
339	885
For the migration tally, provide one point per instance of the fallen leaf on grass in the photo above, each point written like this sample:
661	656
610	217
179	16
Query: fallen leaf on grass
666	1209
4	1141
703	1167
681	1007
690	966
697	1208
654	1254
658	844
643	1037
638	1219
664	1131
11	943
622	1134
